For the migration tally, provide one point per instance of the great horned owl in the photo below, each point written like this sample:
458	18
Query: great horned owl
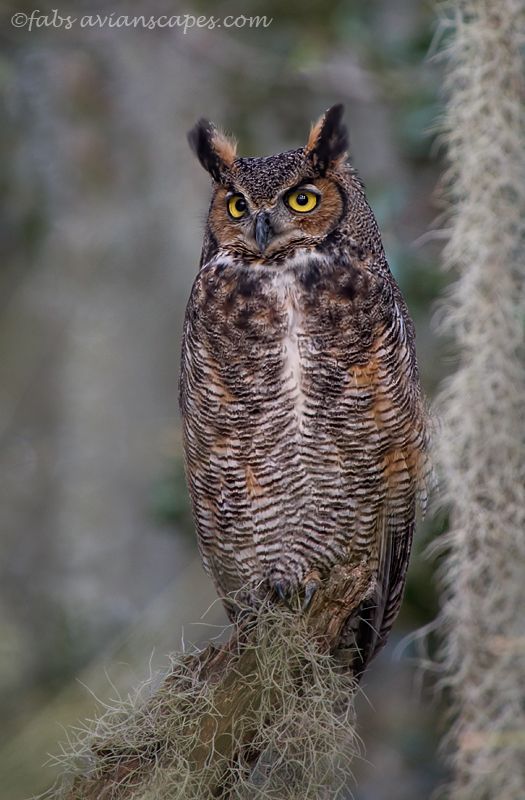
304	425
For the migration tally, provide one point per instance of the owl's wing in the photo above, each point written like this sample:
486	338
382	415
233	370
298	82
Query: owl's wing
378	613
404	476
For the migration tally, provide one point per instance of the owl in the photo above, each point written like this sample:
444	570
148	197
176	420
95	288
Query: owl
304	423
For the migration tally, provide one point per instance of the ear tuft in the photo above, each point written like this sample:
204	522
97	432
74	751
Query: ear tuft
225	147
328	141
215	151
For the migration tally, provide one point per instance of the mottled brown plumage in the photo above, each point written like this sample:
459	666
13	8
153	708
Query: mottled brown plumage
304	426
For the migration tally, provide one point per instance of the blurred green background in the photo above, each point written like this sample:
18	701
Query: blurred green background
100	236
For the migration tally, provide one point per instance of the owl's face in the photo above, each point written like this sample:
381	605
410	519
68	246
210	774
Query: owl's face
295	213
265	207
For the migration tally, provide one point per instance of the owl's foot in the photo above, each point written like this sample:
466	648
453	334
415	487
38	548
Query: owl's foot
288	590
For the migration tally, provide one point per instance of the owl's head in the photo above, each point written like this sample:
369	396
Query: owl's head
264	209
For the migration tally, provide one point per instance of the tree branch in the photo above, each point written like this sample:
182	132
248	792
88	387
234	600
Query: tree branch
216	737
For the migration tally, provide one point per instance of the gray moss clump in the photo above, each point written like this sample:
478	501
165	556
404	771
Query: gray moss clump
481	447
269	716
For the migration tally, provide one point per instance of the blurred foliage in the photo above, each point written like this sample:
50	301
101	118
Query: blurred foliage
170	499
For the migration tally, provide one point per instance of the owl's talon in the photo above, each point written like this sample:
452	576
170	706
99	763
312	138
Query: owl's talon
311	585
280	588
309	592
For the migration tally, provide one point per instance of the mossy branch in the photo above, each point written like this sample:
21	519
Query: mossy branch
269	711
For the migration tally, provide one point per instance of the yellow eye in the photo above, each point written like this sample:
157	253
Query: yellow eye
237	206
302	200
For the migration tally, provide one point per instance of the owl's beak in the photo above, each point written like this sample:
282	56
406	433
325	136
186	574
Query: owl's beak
263	230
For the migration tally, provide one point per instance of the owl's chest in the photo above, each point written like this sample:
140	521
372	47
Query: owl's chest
244	306
289	334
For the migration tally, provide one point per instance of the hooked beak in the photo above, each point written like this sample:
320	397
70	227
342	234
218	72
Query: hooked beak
263	230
